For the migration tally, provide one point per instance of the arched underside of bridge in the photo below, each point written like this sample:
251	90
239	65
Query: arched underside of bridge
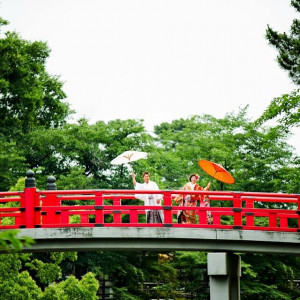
161	239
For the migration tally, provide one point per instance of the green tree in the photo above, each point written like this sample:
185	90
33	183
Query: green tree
184	142
10	241
30	99
258	159
23	275
288	46
46	268
286	108
73	289
29	96
268	276
85	150
12	163
192	273
122	267
128	271
14	283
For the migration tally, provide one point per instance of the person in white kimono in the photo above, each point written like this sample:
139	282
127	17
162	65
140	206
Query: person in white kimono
152	216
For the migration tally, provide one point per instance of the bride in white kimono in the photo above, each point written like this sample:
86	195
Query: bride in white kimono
152	216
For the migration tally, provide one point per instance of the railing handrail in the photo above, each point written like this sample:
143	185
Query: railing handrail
44	208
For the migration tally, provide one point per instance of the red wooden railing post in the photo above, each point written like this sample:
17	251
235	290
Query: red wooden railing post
22	211
283	222
99	215
202	213
216	219
37	210
249	215
202	217
29	199
298	212
237	211
84	218
272	219
65	217
48	216
167	209
117	213
133	216
51	216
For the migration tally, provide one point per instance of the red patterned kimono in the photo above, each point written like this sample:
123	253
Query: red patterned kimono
188	216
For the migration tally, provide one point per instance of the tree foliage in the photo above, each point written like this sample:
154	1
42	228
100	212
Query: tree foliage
288	46
30	99
10	241
12	163
29	96
286	108
21	278
268	277
231	141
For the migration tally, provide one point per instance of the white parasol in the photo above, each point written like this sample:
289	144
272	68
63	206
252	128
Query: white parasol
128	157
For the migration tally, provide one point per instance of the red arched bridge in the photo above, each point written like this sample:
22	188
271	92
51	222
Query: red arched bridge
89	220
239	221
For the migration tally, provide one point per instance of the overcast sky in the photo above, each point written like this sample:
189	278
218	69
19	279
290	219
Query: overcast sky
159	60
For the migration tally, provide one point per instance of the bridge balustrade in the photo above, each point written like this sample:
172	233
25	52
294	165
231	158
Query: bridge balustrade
120	208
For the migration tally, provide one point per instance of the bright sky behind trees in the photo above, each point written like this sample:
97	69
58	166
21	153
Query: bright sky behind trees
159	60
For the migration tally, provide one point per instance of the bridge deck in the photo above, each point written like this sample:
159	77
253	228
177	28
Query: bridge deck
160	239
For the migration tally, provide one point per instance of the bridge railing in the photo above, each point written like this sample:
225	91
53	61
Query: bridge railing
119	208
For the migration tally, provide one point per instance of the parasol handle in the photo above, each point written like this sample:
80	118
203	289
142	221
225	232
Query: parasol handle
213	177
130	167
208	186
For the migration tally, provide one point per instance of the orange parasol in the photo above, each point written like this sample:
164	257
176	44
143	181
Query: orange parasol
216	171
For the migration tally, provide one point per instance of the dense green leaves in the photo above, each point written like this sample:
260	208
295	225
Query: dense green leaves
268	277
13	283
12	163
21	278
286	108
256	158
10	241
192	273
85	151
288	46
29	97
73	289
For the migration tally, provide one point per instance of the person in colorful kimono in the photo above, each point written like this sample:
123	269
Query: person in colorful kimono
189	216
152	216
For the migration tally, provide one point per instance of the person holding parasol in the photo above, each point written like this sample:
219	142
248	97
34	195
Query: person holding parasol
152	216
189	216
127	157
